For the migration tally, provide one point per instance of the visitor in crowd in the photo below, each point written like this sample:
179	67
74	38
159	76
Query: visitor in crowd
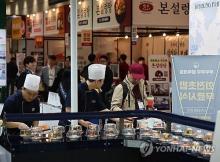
141	61
135	89
123	67
92	60
12	70
48	75
58	79
64	89
104	60
30	65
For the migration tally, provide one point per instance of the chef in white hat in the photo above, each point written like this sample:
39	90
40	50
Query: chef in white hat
24	101
89	99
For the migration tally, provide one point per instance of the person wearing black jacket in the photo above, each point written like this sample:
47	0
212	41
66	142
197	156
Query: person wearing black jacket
30	65
108	74
84	72
12	70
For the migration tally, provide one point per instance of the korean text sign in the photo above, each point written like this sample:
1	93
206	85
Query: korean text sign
195	86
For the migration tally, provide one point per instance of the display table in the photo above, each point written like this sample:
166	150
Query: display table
98	150
90	150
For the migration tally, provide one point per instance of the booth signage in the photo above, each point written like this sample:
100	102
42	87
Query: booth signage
159	80
16	27
86	37
2	57
84	15
104	13
161	12
34	25
204	34
54	22
195	86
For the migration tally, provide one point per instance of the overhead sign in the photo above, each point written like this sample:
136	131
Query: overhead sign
2	57
16	27
84	15
34	25
159	80
204	34
86	37
195	86
161	12
54	22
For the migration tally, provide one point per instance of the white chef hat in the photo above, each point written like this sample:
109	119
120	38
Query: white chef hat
32	82
96	71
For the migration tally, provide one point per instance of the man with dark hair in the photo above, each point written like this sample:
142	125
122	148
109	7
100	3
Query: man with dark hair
123	67
58	79
12	70
91	58
48	75
30	65
141	61
103	59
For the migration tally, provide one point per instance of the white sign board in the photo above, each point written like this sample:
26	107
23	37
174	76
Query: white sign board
204	23
161	12
2	57
84	15
159	80
104	14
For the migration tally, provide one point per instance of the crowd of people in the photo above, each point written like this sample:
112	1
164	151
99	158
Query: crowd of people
97	90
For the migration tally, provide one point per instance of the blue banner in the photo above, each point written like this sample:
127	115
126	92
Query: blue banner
196	86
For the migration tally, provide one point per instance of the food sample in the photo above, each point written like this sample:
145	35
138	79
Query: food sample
128	132
165	137
207	151
186	143
199	135
175	140
188	132
208	137
155	135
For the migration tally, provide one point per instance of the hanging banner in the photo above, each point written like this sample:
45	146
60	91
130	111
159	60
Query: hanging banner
16	27
84	15
161	12
172	45
111	13
195	86
159	80
54	22
86	37
204	31
2	57
34	25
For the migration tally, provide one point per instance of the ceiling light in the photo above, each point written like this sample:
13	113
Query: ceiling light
164	34
126	37
150	35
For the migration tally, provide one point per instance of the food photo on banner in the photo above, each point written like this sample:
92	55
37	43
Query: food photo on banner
195	86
